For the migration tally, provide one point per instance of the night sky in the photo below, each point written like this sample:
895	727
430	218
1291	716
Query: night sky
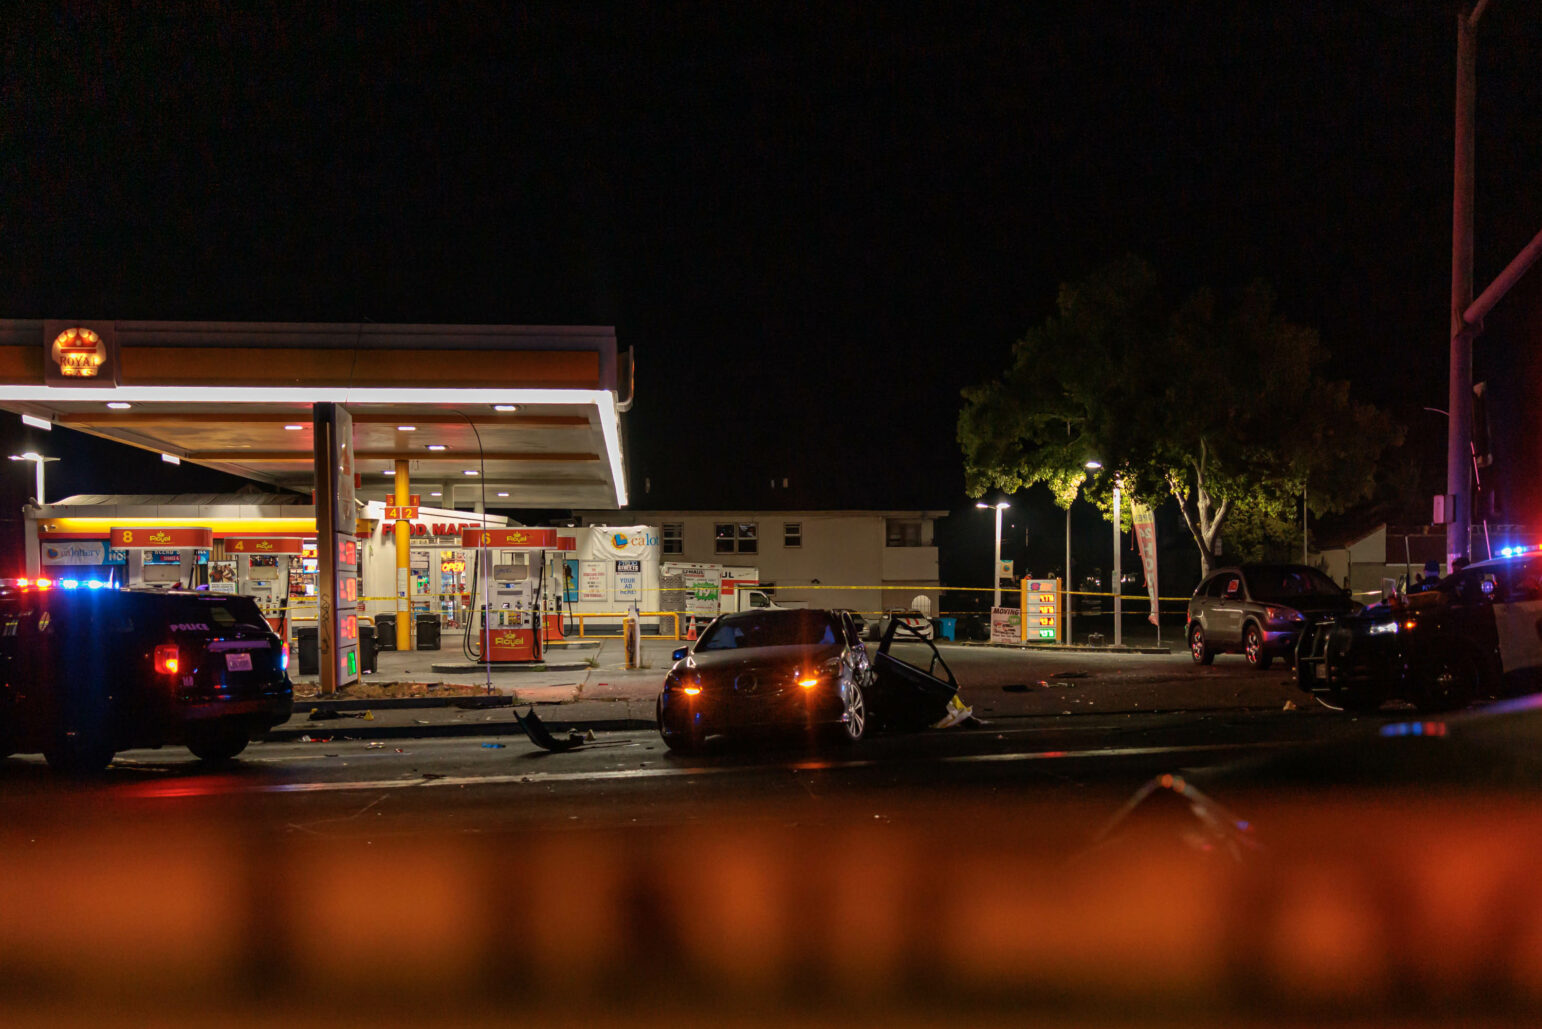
814	223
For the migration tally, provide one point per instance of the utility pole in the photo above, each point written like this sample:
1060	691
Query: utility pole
1459	424
1467	313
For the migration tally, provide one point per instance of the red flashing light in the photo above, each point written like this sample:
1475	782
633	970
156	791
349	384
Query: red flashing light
167	659
24	582
43	584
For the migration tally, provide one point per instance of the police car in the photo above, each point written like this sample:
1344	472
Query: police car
1476	634
87	670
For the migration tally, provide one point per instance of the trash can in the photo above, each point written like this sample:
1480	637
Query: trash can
385	632
946	627
310	649
428	632
366	649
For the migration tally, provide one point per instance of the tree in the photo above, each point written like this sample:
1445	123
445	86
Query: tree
1221	408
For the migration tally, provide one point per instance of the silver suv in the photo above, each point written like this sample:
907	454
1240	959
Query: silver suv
1259	610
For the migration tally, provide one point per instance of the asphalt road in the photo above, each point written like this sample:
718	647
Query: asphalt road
958	876
1099	724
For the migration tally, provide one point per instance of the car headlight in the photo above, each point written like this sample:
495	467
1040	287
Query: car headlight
689	685
1383	627
831	669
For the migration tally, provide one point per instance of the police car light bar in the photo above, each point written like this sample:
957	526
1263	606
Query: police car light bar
1516	551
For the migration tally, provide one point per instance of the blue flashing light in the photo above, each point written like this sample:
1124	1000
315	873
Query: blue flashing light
94	584
69	584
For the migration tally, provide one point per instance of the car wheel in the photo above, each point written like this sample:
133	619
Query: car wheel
1306	675
1451	683
78	757
216	746
1198	648
1358	701
1253	647
686	739
854	715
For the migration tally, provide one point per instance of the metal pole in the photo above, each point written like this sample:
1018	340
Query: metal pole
1118	576
403	531
1065	594
1304	558
996	566
39	464
1459	426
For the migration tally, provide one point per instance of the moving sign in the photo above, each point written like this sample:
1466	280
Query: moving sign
1041	610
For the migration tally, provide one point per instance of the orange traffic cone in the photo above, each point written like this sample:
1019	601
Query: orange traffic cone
690	632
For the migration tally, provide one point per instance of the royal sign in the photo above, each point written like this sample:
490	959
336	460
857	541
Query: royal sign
544	539
263	545
162	538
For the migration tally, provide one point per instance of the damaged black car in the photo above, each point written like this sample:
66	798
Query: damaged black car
802	670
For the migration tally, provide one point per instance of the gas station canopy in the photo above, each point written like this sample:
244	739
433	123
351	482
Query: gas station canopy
529	413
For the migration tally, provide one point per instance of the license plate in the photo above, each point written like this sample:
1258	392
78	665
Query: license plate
238	662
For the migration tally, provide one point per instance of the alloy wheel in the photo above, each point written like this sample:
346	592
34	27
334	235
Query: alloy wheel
856	713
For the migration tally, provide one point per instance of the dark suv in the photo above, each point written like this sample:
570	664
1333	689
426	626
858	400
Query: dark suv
87	670
1260	610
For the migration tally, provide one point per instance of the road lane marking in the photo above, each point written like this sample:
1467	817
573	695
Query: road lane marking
601	775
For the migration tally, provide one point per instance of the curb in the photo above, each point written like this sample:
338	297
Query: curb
351	732
1076	648
468	701
541	666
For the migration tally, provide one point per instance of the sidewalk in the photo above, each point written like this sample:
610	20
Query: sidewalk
1045	684
589	688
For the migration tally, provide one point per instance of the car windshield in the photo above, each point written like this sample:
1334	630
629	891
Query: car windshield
1290	582
769	629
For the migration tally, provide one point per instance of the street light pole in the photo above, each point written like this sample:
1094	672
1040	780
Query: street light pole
1118	575
996	562
1065	592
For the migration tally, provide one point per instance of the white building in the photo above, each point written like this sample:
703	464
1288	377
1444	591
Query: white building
863	560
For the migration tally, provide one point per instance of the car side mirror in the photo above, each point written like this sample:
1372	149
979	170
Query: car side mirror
681	653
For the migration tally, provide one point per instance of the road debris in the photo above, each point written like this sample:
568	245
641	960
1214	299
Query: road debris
493	746
542	737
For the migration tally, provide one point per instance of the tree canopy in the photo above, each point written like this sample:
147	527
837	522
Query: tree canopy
1220	406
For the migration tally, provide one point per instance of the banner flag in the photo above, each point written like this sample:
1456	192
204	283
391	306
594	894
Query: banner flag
1145	538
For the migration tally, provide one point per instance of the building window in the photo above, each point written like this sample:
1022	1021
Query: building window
902	532
736	538
673	535
792	534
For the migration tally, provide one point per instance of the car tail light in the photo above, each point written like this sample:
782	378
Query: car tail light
690	691
808	684
167	660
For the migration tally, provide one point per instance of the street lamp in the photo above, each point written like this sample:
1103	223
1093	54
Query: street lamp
996	566
33	455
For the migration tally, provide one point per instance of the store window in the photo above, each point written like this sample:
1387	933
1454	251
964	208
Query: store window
792	534
673	535
903	532
736	538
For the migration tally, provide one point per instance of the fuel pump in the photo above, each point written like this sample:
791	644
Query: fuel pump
514	588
